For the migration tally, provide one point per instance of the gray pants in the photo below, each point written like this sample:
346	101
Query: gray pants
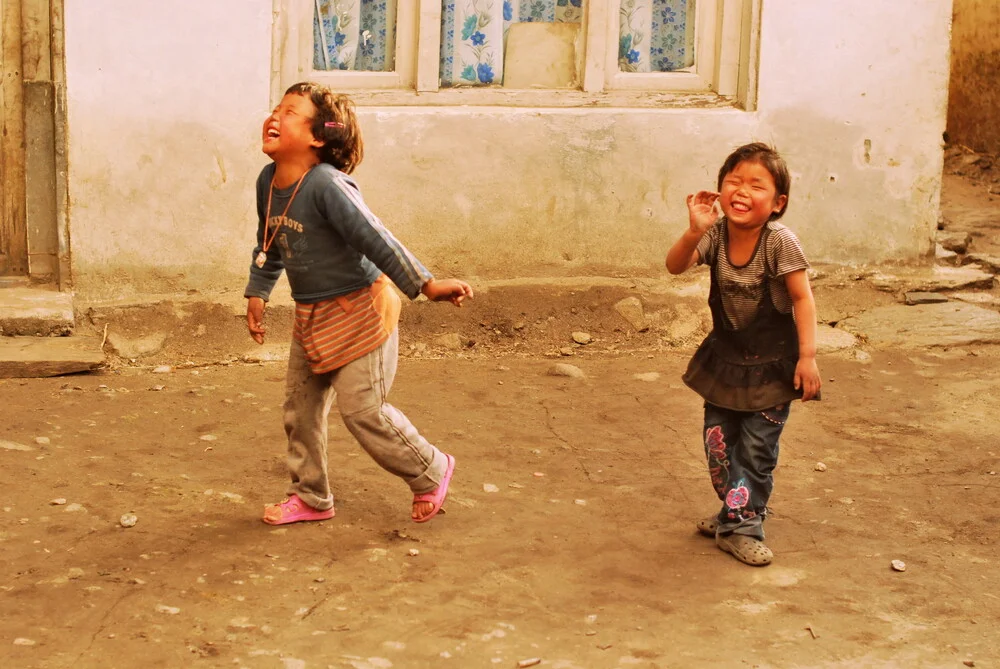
359	388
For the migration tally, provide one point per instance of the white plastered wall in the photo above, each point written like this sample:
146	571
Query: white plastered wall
165	104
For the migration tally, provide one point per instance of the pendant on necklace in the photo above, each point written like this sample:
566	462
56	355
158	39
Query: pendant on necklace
260	259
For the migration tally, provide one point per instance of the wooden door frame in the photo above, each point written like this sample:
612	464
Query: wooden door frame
33	187
13	224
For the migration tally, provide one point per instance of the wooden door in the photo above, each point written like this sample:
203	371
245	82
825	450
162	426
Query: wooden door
13	224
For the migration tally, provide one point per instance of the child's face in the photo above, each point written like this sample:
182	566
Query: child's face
287	131
749	196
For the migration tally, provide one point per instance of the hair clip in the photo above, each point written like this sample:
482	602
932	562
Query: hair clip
333	124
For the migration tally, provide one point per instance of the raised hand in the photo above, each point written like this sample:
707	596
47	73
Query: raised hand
702	210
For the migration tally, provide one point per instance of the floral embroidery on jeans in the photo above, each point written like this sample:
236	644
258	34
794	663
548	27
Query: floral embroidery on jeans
718	461
738	497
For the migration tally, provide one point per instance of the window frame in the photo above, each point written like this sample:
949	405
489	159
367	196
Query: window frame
724	74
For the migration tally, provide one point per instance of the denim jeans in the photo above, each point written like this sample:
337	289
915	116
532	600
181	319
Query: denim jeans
359	389
742	452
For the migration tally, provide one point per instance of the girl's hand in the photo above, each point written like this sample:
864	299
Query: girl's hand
702	212
453	290
807	378
255	318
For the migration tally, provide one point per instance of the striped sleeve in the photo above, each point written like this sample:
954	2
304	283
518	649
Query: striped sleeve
784	251
708	245
360	228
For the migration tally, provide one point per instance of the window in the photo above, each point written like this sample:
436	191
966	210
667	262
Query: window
484	51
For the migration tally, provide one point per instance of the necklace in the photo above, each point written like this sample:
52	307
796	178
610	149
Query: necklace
262	256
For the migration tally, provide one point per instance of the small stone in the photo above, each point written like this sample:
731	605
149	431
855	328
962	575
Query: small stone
969	663
14	446
566	351
413	552
208	437
128	520
157	388
944	256
539	474
163	369
898	565
43	441
563	369
582	338
957	242
648	377
916	297
21	641
74	573
241	624
58	501
631	310
580	502
73	508
489	487
820	467
530	662
451	341
989	262
163	608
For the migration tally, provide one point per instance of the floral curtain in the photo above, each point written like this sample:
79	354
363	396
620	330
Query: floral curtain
473	34
354	35
656	35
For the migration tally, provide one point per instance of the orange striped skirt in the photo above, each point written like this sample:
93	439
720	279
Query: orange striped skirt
345	328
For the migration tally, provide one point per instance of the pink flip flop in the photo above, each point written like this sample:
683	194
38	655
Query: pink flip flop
436	496
294	510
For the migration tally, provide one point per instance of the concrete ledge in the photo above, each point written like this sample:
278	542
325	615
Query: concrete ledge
29	357
35	312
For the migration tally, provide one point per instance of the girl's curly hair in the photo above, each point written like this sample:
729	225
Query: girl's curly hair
336	125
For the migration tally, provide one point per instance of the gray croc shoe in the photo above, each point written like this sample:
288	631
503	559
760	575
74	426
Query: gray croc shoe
747	550
708	526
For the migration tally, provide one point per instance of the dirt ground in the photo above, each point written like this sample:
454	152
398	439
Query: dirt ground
584	556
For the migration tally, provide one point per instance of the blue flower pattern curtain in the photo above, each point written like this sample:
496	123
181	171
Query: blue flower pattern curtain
354	35
473	34
655	35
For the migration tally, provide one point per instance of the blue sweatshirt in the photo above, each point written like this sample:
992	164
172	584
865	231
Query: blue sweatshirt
329	242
